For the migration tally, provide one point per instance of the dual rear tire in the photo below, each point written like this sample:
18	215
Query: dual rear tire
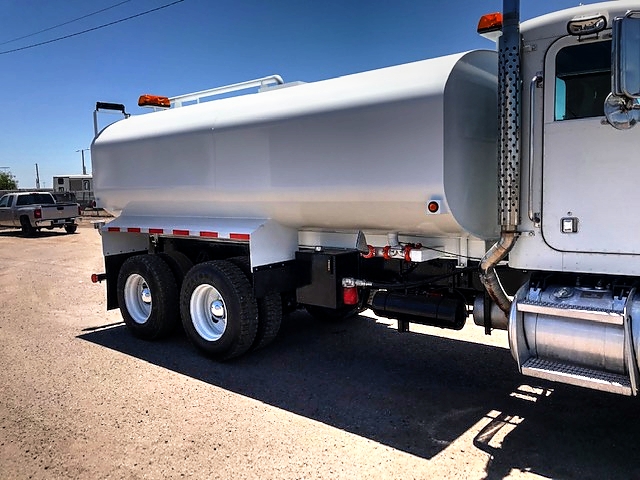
215	301
219	312
148	297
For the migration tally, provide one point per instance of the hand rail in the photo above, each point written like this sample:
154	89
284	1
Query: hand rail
535	81
179	100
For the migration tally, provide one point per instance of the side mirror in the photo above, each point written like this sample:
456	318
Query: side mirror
626	56
622	106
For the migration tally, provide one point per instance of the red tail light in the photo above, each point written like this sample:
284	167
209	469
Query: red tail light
37	213
350	295
79	210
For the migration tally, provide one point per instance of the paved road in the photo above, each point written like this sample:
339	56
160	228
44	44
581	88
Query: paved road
81	398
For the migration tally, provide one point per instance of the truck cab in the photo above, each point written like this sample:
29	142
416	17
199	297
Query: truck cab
579	173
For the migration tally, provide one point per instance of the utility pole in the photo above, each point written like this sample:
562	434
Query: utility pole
37	178
84	169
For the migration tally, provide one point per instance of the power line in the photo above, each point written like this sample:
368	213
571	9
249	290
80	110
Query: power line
92	29
63	24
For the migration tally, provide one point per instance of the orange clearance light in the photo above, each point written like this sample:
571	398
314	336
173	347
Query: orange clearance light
490	25
154	101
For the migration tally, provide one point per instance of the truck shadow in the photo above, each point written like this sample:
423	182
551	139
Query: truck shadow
40	234
419	394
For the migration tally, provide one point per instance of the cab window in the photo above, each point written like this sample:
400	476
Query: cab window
583	80
4	201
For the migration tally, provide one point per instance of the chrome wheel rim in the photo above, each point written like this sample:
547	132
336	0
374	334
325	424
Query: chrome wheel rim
208	312
137	298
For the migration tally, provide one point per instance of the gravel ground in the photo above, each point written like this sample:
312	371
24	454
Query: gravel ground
81	398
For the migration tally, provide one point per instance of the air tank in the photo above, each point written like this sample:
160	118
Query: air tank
367	151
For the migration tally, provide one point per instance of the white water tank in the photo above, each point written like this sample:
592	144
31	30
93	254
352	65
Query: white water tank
365	152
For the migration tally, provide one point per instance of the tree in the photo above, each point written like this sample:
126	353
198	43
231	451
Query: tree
8	181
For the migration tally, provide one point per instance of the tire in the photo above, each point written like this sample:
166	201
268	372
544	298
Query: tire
331	315
179	264
218	309
269	310
28	230
148	297
71	227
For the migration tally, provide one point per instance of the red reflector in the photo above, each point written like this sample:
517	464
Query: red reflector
209	234
350	295
181	232
113	229
133	230
490	22
433	207
239	236
94	278
156	230
37	213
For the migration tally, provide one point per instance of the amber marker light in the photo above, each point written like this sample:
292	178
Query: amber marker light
490	25
154	101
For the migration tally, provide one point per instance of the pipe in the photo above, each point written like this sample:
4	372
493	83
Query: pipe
509	98
488	275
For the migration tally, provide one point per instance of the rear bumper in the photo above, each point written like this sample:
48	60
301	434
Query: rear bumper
58	222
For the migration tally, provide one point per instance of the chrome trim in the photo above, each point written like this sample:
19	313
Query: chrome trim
509	116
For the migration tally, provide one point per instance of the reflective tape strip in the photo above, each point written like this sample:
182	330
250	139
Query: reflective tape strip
239	236
180	232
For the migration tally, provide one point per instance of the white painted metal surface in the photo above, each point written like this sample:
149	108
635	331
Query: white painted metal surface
583	169
362	152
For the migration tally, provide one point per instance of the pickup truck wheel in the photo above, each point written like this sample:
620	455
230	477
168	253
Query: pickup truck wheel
28	230
148	297
218	309
71	227
269	310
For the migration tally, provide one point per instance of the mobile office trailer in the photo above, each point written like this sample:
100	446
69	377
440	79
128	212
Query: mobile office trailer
418	190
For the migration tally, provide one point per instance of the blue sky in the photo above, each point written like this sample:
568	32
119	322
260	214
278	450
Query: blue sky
49	92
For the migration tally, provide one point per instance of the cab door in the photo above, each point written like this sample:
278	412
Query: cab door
590	171
5	211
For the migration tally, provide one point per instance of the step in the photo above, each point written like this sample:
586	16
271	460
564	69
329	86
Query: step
579	376
612	317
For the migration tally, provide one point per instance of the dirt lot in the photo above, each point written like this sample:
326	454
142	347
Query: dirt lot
81	398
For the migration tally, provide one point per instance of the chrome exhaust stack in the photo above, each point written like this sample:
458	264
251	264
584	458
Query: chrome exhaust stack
509	144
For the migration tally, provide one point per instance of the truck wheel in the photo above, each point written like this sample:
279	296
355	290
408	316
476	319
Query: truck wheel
71	227
28	230
148	297
269	310
218	309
